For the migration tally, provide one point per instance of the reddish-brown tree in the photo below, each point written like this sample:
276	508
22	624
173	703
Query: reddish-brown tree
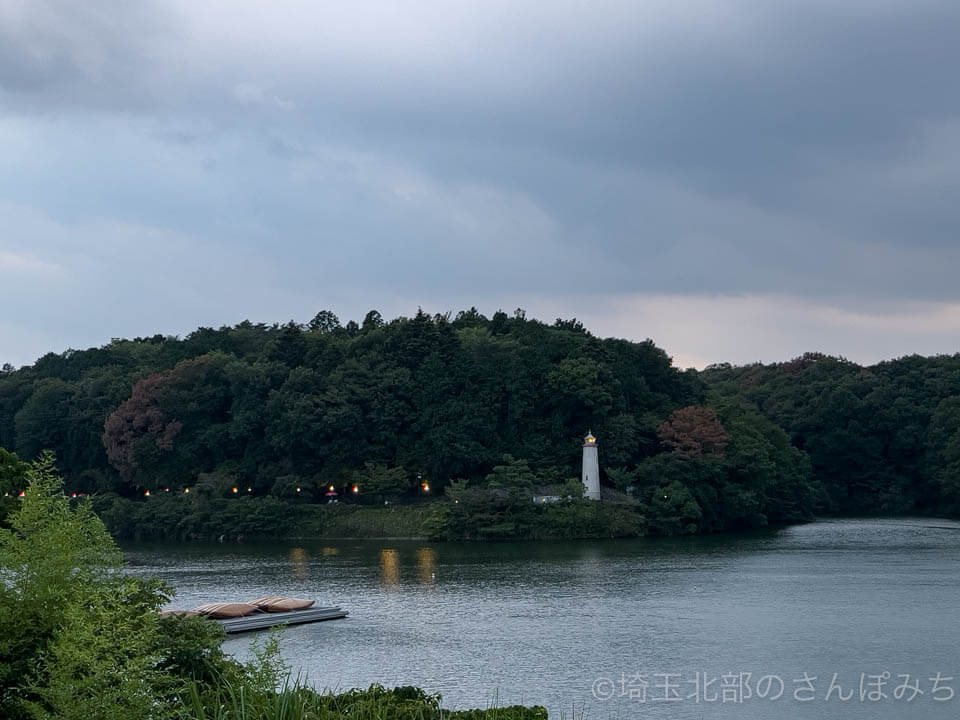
138	416
693	430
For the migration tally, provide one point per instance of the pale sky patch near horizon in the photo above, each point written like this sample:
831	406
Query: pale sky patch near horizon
738	181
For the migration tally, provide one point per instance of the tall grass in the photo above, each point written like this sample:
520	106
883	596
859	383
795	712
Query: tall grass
295	701
265	690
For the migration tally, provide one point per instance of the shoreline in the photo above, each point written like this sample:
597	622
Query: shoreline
227	520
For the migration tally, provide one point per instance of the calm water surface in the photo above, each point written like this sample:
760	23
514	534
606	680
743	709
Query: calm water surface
571	625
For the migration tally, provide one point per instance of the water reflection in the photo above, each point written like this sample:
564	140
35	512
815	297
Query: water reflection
539	622
298	557
328	551
591	562
426	564
389	567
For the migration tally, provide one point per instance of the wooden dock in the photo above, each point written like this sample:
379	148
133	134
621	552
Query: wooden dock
261	621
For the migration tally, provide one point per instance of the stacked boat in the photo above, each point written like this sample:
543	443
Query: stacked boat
263	613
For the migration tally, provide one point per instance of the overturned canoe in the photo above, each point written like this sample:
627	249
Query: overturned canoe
226	610
277	603
180	613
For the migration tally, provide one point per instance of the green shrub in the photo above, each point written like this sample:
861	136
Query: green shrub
80	639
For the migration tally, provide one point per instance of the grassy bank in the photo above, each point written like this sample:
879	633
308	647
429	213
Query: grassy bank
299	702
482	515
357	521
182	517
196	518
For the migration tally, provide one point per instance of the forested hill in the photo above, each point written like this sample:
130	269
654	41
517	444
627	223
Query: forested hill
881	439
441	396
499	402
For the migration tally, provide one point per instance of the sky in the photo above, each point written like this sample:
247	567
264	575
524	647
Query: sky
738	180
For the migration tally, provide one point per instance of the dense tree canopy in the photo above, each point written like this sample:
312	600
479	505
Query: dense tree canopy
499	402
881	439
326	404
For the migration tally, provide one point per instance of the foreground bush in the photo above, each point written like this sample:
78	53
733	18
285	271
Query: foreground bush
80	639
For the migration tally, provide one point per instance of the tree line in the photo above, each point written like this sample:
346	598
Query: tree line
882	439
488	410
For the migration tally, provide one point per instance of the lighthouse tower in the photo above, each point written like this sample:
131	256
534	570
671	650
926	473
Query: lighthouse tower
590	475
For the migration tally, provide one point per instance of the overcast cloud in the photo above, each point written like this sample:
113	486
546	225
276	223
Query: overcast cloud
739	180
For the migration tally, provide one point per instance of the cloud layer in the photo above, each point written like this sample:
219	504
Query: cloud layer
172	164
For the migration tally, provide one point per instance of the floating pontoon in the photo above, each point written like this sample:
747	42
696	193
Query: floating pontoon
263	613
262	620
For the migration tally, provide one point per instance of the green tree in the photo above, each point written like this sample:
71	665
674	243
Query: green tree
14	475
622	478
290	347
371	321
290	487
77	637
512	474
103	661
382	481
944	448
572	488
217	484
42	422
324	322
672	510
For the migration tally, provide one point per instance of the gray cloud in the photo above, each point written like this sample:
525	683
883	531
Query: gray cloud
61	56
467	151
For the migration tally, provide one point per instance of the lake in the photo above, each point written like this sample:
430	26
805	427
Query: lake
852	618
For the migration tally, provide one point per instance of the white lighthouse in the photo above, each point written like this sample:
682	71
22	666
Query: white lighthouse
590	475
